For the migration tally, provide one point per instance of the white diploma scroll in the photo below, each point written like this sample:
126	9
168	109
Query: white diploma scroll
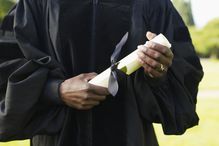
128	65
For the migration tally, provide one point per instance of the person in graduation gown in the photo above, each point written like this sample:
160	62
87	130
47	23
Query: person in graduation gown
45	95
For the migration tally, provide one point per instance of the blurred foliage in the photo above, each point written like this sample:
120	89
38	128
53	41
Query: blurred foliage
206	40
5	6
185	10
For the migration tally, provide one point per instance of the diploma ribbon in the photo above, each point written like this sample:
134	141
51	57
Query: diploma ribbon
113	85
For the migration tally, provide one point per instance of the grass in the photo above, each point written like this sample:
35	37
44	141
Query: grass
211	79
16	143
206	133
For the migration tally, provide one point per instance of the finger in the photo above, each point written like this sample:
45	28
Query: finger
88	76
150	35
142	57
145	59
160	48
155	55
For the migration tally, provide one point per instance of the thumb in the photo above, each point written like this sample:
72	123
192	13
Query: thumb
150	35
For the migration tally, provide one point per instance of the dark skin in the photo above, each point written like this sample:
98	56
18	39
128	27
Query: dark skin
153	57
77	93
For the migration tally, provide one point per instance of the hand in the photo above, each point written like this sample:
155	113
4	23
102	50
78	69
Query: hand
77	93
155	58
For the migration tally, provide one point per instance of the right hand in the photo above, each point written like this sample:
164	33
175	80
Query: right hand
77	93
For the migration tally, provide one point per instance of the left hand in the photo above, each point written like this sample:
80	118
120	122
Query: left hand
155	58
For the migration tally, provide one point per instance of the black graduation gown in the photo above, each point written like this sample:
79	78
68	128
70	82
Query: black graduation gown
62	38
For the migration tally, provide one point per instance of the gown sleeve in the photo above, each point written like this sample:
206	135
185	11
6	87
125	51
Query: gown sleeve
171	100
29	85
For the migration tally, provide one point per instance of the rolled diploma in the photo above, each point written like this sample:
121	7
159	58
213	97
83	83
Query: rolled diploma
128	65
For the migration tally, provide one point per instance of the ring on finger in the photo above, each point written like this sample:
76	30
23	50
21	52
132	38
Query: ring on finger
161	68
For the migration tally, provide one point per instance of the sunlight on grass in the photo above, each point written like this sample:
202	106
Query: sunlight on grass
16	143
211	79
205	134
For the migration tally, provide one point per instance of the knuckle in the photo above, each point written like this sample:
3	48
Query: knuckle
152	63
79	101
72	100
165	50
141	61
153	45
83	103
157	55
85	96
139	48
144	49
148	60
140	54
82	75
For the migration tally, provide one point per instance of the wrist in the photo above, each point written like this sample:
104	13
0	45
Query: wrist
62	91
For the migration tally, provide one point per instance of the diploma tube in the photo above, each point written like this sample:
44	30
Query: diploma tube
128	64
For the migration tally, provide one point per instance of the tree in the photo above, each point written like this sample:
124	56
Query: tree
211	34
5	5
206	40
185	10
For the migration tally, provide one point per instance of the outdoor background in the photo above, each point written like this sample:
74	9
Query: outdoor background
202	17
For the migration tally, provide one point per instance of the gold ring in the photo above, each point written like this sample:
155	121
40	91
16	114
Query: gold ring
162	68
